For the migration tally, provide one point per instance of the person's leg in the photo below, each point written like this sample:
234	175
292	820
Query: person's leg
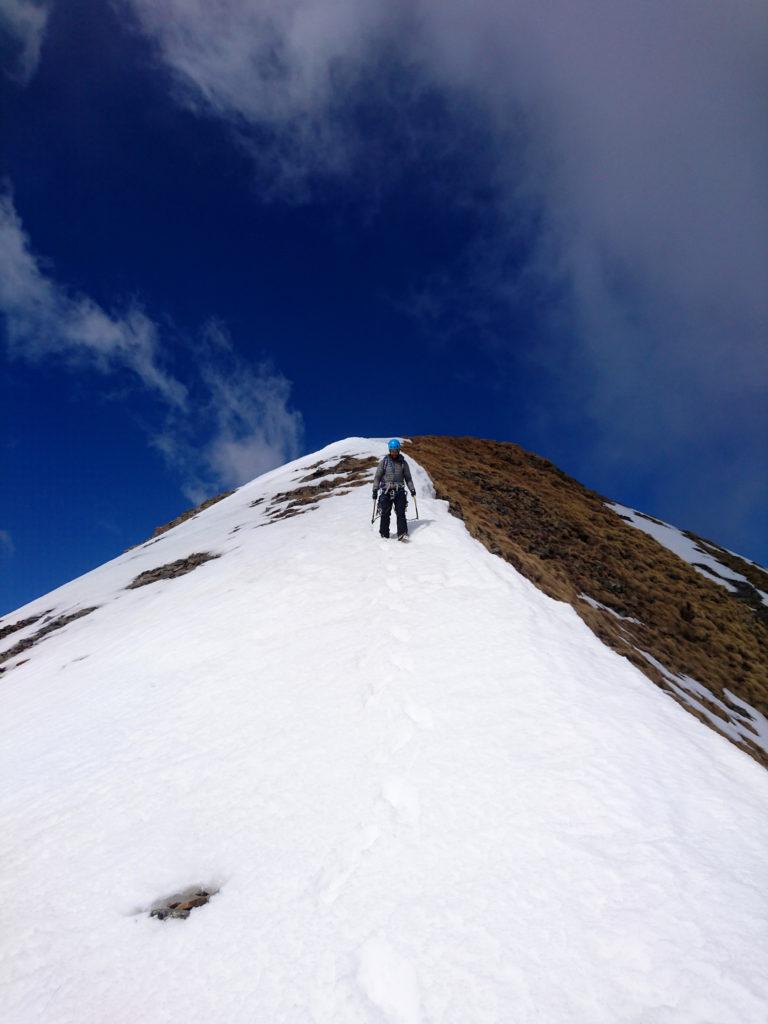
385	504
400	503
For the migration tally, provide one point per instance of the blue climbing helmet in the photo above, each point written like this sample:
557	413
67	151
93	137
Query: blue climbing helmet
394	445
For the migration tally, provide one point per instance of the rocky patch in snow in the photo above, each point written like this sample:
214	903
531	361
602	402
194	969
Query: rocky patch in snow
49	627
181	904
14	627
335	477
173	569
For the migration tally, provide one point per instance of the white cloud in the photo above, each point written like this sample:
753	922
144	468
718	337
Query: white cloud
636	132
225	423
276	65
43	319
646	153
254	430
7	546
23	22
262	60
250	427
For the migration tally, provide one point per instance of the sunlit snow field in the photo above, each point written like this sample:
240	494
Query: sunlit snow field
425	792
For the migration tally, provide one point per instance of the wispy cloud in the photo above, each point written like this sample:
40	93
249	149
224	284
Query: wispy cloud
44	319
249	426
629	138
22	28
224	423
636	132
281	73
7	547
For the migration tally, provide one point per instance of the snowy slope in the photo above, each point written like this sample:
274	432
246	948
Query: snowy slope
425	792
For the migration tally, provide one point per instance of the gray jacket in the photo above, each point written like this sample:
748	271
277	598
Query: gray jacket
393	473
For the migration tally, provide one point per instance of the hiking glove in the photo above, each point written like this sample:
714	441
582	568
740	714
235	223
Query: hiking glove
375	495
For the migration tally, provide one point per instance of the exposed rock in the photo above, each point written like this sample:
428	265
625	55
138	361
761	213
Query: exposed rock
21	624
173	569
334	477
352	466
181	904
50	627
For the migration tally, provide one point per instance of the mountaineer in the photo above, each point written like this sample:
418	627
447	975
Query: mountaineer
393	476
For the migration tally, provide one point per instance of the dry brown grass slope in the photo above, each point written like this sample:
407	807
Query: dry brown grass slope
563	538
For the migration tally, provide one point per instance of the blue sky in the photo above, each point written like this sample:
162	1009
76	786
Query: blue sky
230	234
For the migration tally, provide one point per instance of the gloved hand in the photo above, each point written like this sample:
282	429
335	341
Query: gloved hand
375	495
413	493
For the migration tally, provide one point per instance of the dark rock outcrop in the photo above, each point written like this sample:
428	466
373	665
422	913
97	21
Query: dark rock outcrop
171	570
50	627
180	905
324	479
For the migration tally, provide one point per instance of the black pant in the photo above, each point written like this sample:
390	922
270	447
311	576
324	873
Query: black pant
385	504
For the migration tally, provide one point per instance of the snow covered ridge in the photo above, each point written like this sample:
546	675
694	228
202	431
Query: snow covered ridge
706	557
541	529
635	594
304	484
327	779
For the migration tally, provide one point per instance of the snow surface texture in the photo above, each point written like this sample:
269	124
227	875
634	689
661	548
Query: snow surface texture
676	541
424	791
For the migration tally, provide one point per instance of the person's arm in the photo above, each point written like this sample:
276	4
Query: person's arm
377	478
407	477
